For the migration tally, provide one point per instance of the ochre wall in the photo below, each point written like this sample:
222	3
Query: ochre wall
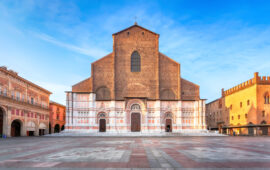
262	89
136	84
243	96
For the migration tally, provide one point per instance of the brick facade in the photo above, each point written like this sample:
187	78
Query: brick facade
57	117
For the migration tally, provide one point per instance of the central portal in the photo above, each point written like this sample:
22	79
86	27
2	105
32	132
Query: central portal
102	125
135	122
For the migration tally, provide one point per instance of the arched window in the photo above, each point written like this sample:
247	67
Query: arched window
266	98
102	115
135	62
135	107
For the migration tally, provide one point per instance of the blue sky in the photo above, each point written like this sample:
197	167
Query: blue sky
218	43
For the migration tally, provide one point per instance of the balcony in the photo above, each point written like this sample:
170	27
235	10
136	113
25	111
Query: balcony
6	95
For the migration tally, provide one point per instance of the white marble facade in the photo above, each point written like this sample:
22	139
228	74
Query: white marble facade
83	114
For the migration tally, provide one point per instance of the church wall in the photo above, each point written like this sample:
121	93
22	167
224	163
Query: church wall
185	115
169	76
103	74
136	84
189	90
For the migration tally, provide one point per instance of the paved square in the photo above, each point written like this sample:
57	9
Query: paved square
135	152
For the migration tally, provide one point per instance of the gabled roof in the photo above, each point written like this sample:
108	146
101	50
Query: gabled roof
135	25
185	80
83	86
168	58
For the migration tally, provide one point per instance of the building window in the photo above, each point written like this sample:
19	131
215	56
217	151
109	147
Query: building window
232	117
135	62
0	89
246	115
18	95
135	107
248	102
263	113
240	104
32	100
238	116
12	95
5	92
231	107
57	117
266	98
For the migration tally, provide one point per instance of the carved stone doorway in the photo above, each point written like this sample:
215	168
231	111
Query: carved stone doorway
135	122
168	126
102	125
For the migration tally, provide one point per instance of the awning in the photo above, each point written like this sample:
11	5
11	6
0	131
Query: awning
42	126
31	126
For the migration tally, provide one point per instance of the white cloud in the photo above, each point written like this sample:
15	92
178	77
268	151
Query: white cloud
58	91
92	52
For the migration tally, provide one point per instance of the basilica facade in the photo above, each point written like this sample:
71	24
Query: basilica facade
135	88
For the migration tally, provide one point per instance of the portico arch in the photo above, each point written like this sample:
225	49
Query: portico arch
16	128
1	122
42	127
57	128
30	128
2	114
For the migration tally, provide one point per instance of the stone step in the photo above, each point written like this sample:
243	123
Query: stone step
134	134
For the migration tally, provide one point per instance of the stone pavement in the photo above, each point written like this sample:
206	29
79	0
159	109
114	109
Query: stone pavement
135	152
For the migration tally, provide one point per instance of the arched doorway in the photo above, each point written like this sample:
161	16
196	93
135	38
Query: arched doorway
63	128
1	122
135	122
264	128
102	125
168	125
50	128
56	128
16	128
250	129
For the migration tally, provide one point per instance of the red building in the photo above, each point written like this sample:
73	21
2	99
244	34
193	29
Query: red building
24	106
57	117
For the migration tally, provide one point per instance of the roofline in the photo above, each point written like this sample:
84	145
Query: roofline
135	25
189	81
102	58
78	92
26	81
82	81
213	101
53	102
169	58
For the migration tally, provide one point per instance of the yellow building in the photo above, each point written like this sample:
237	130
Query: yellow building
244	109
